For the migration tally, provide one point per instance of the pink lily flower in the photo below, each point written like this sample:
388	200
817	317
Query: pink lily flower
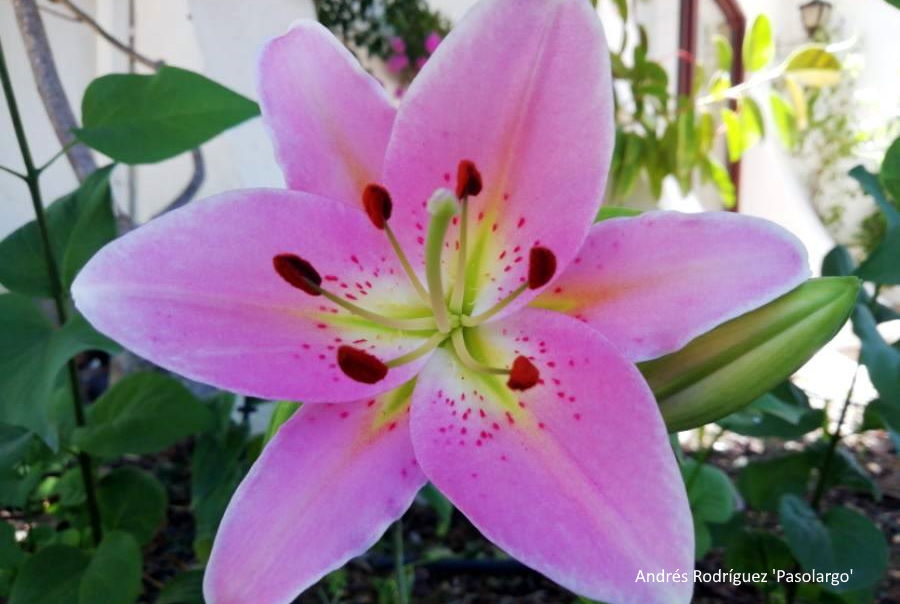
397	63
483	338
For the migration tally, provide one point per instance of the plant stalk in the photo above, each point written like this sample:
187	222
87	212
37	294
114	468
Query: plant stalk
399	568
32	175
832	446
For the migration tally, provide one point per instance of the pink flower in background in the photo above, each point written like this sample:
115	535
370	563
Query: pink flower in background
397	63
482	338
420	62
398	45
432	41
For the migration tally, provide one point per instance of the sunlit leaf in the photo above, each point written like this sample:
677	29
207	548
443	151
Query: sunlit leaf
785	120
759	47
813	65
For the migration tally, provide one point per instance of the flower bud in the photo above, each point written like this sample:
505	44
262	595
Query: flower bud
725	369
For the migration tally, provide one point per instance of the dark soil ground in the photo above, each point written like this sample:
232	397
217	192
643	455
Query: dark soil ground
462	568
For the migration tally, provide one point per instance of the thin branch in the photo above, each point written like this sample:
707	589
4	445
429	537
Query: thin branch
56	13
13	172
50	87
193	185
85	18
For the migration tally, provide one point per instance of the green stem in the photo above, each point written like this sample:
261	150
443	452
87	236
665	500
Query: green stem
32	175
832	446
399	567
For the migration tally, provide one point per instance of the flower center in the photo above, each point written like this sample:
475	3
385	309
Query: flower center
448	321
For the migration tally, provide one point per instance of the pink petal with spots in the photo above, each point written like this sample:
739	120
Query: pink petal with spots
195	291
324	490
522	88
328	118
654	282
575	476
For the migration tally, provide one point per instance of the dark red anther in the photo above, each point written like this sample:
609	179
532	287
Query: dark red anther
541	267
468	179
523	374
378	204
298	272
361	366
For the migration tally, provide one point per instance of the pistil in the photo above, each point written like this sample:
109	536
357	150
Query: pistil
442	206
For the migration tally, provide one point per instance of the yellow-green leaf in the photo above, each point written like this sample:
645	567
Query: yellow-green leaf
813	65
759	47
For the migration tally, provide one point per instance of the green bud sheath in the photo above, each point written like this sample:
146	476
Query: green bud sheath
727	368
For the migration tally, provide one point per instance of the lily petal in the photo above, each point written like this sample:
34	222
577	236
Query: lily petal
324	490
329	119
195	292
654	282
521	88
575	476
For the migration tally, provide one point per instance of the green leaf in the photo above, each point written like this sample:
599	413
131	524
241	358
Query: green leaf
32	353
441	506
607	212
148	118
10	552
785	120
813	65
70	488
115	572
79	224
133	501
734	134
777	414
881	266
759	47
720	177
890	170
723	52
143	413
841	542
51	576
185	588
732	365
838	262
757	551
844	470
752	121
282	412
764	482
719	84
710	492
880	358
15	442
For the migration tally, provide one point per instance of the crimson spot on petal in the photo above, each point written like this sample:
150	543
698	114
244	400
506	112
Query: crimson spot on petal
523	374
468	179
361	366
298	272
378	204
541	267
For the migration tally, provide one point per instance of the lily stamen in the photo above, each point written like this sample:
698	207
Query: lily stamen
302	275
541	268
378	205
468	182
426	347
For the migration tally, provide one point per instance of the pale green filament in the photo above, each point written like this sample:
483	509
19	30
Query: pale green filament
404	261
429	345
424	323
442	206
466	358
459	288
491	312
